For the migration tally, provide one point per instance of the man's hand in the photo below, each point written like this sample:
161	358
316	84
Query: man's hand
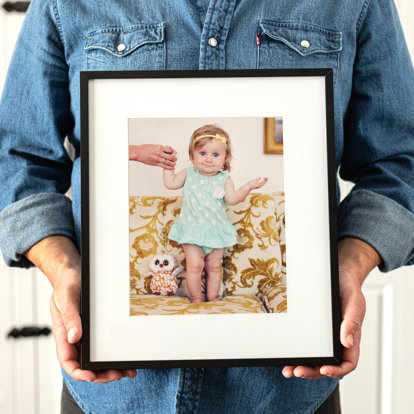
59	260
151	154
356	260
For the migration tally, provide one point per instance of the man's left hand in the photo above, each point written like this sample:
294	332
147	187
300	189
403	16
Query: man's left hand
356	259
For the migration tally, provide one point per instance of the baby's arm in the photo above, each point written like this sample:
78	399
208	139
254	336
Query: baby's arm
174	181
233	197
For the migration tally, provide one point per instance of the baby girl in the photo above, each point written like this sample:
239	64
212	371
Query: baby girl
203	228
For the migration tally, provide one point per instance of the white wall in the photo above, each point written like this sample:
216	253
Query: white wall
246	135
406	11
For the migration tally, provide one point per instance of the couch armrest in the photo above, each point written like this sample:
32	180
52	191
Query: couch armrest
274	298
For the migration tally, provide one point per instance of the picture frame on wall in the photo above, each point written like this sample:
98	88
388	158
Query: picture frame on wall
266	292
273	135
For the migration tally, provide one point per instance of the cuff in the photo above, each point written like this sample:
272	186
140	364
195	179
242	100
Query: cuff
27	221
381	222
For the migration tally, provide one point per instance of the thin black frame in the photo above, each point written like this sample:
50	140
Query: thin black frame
336	359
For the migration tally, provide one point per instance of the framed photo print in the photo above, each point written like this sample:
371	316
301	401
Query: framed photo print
202	246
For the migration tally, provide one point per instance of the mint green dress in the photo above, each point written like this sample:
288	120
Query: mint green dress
203	219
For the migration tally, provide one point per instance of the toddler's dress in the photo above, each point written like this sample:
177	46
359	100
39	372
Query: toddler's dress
203	219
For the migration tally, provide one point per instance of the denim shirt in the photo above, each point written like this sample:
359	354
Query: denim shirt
361	40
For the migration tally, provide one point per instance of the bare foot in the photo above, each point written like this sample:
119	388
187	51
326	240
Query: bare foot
196	299
216	299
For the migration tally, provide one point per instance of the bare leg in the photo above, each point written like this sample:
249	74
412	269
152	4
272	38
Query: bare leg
213	273
194	256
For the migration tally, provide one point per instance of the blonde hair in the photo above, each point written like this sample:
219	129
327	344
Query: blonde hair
210	129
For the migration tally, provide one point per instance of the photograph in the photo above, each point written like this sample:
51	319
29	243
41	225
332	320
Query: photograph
197	233
207	234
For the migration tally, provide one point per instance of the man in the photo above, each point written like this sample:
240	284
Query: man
374	122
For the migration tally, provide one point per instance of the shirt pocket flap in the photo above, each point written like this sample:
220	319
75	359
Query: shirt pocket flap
121	41
303	38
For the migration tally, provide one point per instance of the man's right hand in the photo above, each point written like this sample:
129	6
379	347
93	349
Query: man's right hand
59	260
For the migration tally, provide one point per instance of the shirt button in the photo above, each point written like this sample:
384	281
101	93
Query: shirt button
212	42
305	43
121	47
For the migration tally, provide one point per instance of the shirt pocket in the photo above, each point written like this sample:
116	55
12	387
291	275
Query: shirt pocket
138	47
297	45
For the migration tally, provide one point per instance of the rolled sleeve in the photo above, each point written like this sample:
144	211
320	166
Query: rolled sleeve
381	222
27	221
378	151
35	168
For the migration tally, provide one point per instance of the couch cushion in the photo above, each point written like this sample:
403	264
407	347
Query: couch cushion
178	305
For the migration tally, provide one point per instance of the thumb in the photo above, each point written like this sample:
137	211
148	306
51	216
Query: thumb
68	315
353	315
73	325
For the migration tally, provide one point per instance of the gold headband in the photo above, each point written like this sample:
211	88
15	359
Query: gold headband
217	136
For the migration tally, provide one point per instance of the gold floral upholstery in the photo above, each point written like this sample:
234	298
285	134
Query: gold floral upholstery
179	305
150	221
279	198
275	297
253	269
256	260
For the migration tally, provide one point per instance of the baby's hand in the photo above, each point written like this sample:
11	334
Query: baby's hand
257	183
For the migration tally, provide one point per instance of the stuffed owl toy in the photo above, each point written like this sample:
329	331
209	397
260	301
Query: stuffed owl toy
164	270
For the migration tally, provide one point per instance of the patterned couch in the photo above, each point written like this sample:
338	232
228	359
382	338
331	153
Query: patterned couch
254	270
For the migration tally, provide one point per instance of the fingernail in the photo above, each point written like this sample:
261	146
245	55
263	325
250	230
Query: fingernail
350	339
71	334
